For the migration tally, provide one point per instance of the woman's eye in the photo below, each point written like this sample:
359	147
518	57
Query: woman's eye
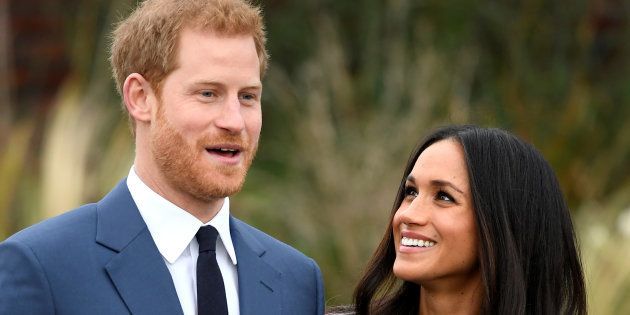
443	196
410	192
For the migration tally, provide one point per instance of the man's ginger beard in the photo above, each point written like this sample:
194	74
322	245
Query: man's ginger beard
186	169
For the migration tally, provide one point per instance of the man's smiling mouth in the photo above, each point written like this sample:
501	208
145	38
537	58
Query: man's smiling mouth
227	152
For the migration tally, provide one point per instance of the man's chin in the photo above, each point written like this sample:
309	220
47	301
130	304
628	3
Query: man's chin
213	194
212	181
221	186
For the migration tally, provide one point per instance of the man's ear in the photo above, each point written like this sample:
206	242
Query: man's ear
139	97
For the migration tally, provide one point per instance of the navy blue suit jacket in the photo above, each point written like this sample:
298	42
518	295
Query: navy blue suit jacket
101	259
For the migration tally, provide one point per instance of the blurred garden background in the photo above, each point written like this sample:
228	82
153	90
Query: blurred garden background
353	85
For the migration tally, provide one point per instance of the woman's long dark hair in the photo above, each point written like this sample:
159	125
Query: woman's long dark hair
528	255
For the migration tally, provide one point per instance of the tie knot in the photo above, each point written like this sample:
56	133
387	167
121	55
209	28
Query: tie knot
207	238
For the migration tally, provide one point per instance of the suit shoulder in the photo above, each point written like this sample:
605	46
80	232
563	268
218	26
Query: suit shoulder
59	230
301	274
272	244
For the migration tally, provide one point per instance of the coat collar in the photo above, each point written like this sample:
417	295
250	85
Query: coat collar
258	282
140	276
136	269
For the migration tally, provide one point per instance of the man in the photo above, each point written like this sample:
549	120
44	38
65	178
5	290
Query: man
163	241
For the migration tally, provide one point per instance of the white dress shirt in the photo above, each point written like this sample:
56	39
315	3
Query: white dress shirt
173	230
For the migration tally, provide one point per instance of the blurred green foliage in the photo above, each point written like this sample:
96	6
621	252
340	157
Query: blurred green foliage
353	86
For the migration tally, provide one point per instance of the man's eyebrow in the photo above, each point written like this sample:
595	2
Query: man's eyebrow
254	85
207	82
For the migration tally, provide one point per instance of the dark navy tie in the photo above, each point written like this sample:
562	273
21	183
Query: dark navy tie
210	289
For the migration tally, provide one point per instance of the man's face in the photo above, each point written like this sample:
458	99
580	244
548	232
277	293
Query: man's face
205	132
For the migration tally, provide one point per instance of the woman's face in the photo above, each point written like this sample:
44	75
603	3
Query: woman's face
434	228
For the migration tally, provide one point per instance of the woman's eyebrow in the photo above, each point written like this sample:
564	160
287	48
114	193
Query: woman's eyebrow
439	182
411	179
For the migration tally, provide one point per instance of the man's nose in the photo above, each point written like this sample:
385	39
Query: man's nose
231	118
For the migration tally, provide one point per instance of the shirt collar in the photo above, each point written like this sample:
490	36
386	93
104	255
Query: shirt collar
172	227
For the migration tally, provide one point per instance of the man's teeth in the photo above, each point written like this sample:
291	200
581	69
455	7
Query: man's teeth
406	241
227	150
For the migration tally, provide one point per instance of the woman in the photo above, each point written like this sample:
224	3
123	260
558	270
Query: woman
479	226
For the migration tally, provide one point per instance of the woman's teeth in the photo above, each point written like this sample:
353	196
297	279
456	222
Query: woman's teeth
406	241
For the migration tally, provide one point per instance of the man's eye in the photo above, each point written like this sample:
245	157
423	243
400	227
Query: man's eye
207	94
248	97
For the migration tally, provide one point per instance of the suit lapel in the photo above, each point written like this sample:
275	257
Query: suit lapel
258	283
136	269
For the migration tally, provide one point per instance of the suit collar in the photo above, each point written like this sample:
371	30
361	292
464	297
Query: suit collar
258	282
139	274
136	269
118	220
